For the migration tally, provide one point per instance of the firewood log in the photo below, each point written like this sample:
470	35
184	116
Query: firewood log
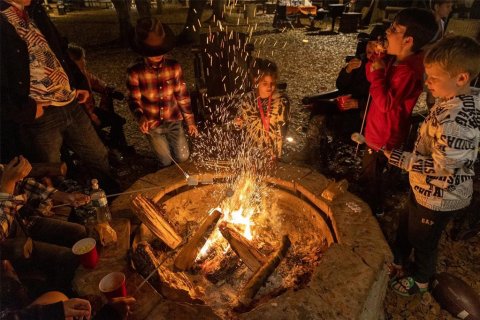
252	258
260	277
186	257
172	285
147	212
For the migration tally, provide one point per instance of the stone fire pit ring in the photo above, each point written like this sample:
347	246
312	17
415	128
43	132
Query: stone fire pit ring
351	279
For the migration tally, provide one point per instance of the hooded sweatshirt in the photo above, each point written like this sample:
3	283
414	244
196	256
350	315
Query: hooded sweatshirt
394	92
441	165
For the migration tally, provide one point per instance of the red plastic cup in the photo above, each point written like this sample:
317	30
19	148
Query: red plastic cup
113	285
341	101
86	249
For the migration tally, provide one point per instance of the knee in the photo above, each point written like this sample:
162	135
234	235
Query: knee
50	298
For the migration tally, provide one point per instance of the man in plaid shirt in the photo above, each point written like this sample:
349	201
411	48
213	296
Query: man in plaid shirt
158	94
52	238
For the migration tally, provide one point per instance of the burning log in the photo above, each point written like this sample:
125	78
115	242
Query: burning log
262	274
243	248
172	285
148	213
186	256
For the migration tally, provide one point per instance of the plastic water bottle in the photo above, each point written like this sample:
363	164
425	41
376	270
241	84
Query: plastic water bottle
100	203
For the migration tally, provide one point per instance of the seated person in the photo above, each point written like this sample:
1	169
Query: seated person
104	115
340	118
52	238
52	305
263	112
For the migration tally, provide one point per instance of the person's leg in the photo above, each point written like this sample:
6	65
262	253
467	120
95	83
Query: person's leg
57	262
50	230
178	141
82	138
159	143
402	247
426	227
49	297
372	176
43	138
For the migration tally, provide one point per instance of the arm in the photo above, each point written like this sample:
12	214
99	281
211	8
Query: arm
36	312
345	79
386	96
182	96
134	94
447	154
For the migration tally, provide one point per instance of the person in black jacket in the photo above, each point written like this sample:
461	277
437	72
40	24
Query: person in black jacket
41	89
340	117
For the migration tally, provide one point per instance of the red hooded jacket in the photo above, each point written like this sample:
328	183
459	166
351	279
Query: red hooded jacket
394	92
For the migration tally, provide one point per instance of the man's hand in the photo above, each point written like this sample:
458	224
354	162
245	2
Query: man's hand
82	96
77	309
73	199
143	124
14	171
355	63
122	305
192	130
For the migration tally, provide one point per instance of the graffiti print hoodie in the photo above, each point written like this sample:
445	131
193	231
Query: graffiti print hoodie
441	165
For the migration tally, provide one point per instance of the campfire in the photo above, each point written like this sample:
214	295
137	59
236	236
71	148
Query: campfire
235	246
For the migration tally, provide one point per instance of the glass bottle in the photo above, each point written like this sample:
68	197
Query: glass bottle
100	203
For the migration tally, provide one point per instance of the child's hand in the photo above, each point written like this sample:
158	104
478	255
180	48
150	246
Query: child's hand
349	104
143	124
192	130
14	171
73	199
377	64
355	63
387	153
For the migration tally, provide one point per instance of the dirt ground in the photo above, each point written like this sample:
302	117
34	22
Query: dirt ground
308	63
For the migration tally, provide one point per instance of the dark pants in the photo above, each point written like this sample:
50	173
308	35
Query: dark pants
420	229
375	172
70	125
52	250
115	122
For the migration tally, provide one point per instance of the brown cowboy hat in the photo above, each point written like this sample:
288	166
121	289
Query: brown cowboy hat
152	38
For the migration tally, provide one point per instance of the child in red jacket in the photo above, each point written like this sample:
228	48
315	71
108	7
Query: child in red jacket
396	82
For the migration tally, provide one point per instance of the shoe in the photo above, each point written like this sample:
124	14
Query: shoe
407	287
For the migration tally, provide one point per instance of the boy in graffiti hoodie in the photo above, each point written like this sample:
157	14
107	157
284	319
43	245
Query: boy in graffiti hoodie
441	164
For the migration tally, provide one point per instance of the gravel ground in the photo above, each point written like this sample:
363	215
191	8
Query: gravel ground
309	64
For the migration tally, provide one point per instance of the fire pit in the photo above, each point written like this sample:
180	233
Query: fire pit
288	255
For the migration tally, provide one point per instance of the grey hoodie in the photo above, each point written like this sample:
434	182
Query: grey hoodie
441	164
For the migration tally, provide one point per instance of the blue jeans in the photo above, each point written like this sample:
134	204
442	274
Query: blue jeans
70	125
167	139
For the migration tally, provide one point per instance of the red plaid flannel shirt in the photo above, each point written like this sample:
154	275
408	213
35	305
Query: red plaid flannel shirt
159	92
10	204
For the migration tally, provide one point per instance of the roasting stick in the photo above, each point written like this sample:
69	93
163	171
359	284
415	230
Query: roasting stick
117	194
153	272
363	122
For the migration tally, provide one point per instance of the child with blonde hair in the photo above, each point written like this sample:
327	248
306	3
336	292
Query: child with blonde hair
441	166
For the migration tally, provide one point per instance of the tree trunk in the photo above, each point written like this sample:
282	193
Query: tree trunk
122	7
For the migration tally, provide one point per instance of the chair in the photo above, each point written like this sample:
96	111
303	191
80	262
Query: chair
221	62
464	27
